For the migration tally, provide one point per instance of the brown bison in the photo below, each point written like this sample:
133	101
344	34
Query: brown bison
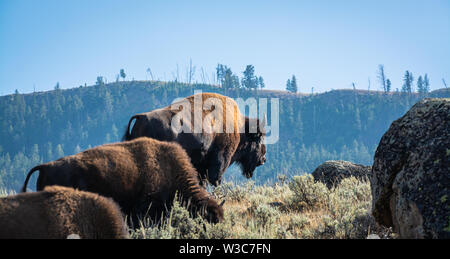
142	176
224	137
58	212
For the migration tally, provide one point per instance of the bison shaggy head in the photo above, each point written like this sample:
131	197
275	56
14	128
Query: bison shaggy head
252	152
211	211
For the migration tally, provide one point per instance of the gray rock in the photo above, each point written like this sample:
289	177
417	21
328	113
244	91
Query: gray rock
410	176
332	172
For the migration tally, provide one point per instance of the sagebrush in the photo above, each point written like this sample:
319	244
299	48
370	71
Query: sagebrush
296	208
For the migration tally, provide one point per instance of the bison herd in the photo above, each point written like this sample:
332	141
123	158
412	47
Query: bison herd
143	174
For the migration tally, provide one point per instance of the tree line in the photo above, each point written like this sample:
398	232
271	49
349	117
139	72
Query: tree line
340	124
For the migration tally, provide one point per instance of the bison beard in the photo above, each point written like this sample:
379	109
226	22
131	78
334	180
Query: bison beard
254	148
210	153
142	176
58	212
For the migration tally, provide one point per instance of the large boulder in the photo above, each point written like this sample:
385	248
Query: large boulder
332	172
410	176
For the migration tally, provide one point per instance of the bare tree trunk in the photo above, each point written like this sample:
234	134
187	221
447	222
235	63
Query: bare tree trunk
202	76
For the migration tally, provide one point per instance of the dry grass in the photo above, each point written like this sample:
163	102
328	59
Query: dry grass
299	208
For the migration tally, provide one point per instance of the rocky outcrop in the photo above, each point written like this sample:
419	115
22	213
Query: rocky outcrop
410	176
332	172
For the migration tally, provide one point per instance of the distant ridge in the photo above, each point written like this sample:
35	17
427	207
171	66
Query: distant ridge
341	124
280	93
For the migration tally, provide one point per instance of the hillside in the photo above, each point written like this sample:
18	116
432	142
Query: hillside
340	124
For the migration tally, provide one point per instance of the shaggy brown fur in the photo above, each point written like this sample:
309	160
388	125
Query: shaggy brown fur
210	153
136	174
58	212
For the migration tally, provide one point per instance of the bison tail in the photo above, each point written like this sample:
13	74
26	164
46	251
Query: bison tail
127	135
34	169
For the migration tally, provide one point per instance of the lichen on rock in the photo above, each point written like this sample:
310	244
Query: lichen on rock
411	172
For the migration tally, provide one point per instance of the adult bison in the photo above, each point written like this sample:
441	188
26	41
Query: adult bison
213	132
58	212
142	176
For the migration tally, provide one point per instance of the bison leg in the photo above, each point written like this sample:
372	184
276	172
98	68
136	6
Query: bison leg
218	162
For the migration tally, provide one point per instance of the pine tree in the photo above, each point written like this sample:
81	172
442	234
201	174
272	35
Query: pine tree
35	154
261	82
220	72
122	74
388	85
235	81
357	119
291	84
108	103
99	81
294	87
426	84
288	85
420	85
226	78
407	82
250	80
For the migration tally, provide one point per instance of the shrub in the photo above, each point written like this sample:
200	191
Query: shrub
177	225
298	222
234	192
308	194
298	208
265	214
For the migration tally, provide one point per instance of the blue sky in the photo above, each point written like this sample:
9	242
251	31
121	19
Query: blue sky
326	44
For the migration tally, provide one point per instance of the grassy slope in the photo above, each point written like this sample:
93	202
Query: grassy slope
299	208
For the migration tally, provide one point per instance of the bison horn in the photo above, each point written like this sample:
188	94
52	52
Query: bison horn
222	203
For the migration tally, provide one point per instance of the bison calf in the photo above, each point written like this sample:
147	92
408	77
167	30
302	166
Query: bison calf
58	212
142	175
